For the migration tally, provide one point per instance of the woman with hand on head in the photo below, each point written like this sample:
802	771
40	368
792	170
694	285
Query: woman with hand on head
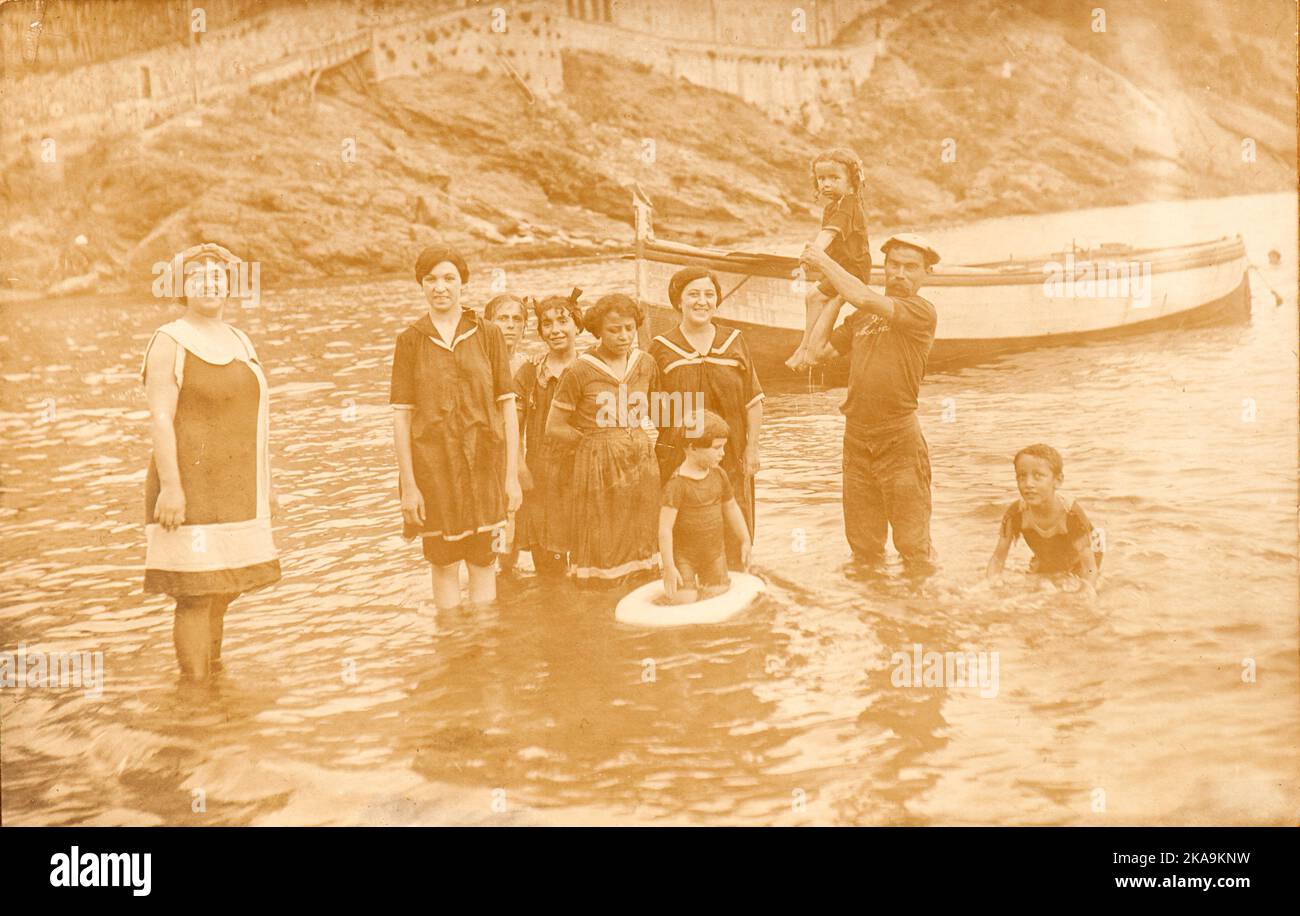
455	432
208	494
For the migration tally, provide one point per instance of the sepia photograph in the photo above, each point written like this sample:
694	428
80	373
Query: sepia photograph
729	413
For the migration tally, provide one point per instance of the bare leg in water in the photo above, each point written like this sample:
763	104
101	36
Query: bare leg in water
191	635
217	628
197	633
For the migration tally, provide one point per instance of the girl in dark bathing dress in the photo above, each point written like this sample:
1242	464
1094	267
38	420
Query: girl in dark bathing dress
600	407
839	181
455	432
698	506
208	494
1056	529
542	526
700	360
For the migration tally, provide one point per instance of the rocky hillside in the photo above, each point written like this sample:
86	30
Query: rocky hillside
1035	111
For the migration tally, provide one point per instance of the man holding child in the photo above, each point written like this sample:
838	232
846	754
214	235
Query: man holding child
886	459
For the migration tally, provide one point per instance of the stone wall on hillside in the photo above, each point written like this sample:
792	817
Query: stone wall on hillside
520	40
772	24
789	86
131	92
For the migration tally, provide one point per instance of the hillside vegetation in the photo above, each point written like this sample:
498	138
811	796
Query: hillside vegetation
1035	111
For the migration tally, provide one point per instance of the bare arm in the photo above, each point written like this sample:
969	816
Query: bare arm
162	393
672	578
850	287
739	530
1089	564
412	499
667	519
514	496
999	559
753	425
735	519
824	238
559	427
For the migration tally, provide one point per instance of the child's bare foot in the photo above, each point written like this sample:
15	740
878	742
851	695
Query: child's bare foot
798	360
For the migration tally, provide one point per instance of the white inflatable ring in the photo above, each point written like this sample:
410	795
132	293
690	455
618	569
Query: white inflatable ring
638	607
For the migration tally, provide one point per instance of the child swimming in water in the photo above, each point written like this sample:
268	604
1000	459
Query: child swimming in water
1056	529
838	178
698	505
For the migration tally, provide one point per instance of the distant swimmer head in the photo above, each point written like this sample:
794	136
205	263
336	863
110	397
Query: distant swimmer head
1274	258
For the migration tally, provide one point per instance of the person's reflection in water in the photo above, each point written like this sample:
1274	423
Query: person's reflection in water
912	715
558	705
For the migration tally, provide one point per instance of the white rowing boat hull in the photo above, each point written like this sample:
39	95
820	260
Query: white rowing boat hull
983	309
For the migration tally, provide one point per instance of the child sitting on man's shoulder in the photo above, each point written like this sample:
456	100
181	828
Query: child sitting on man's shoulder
698	506
1055	528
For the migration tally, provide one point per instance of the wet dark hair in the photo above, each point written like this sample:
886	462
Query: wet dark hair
593	319
714	427
569	305
1046	453
434	255
495	303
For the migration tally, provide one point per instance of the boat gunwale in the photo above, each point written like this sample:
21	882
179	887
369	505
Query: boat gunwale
949	352
1165	259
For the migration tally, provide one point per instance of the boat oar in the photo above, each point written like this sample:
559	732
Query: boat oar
727	295
1277	297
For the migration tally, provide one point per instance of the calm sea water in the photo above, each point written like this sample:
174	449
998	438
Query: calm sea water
346	699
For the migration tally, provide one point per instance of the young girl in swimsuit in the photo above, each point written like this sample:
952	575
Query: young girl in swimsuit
1055	528
837	178
699	505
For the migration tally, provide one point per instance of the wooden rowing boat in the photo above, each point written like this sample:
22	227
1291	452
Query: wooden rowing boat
984	309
